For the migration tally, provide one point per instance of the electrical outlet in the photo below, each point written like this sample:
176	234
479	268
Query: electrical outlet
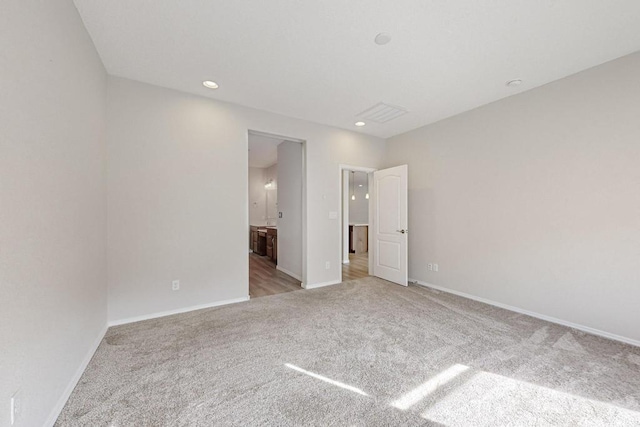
175	285
327	265
430	267
435	267
15	407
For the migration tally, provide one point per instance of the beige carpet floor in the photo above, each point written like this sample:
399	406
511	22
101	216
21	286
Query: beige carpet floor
363	353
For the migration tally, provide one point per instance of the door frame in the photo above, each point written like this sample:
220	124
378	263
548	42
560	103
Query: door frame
343	223
303	142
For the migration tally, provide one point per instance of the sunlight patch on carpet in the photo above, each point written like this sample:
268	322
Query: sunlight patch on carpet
325	379
425	389
488	399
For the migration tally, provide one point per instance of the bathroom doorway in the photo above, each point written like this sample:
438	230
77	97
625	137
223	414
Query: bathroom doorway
275	235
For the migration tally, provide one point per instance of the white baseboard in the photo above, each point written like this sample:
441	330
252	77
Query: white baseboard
295	276
346	261
55	413
577	326
177	311
321	285
250	251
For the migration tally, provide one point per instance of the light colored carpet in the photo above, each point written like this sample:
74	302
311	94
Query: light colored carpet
365	352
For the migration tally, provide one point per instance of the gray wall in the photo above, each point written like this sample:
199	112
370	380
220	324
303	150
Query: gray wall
290	175
534	201
52	204
257	196
178	203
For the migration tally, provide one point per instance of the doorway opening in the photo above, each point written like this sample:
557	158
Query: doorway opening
276	202
386	228
356	221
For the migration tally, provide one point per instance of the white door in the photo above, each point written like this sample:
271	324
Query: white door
390	232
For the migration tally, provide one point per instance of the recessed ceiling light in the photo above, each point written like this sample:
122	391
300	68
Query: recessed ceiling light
514	83
382	38
359	185
210	84
360	124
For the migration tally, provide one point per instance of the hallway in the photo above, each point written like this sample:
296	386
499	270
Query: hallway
264	279
357	268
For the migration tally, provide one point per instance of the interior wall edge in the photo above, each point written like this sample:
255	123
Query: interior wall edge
176	311
321	285
55	412
290	273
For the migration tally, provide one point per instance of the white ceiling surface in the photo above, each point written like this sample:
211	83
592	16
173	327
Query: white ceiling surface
316	60
359	179
263	151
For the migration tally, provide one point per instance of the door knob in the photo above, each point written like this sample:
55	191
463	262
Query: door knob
402	231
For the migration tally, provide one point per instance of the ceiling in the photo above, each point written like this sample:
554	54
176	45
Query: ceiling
263	151
358	179
317	60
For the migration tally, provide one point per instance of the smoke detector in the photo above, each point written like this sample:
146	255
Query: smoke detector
382	39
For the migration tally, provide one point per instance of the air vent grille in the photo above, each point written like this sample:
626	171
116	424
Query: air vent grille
382	113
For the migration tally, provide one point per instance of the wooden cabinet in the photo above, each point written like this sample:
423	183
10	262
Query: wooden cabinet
258	240
272	244
253	239
264	241
358	239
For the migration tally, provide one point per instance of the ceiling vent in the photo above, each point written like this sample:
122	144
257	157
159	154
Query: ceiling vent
382	113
